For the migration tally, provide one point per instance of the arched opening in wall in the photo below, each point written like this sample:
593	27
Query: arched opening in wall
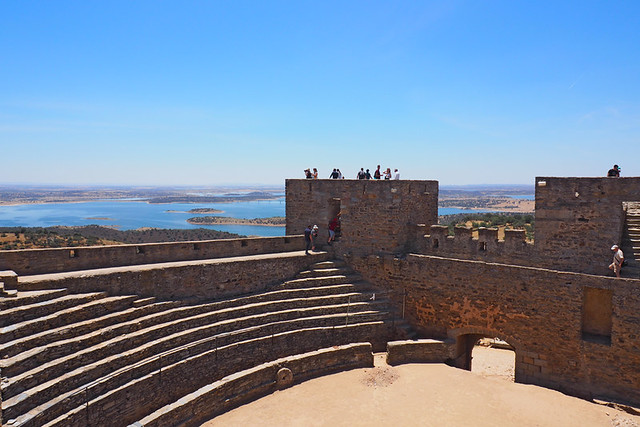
487	356
492	357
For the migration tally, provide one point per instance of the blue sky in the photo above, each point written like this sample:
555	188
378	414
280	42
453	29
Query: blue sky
238	92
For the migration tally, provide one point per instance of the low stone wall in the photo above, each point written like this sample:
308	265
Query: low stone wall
195	280
40	261
420	351
245	386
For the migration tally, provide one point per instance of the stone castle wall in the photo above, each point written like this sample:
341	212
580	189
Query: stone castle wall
40	261
188	280
376	215
578	219
572	332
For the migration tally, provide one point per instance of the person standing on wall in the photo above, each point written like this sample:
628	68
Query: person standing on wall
367	174
396	174
334	174
361	174
315	173
614	172
377	174
387	173
307	239
618	260
339	174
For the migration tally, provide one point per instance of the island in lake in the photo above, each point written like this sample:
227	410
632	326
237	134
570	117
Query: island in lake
274	221
198	211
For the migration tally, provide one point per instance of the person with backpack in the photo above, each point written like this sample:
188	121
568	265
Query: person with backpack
334	174
377	174
614	172
361	174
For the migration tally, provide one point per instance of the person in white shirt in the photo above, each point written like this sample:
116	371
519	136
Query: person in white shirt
396	174
618	259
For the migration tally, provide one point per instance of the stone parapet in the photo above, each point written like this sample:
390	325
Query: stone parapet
193	280
41	261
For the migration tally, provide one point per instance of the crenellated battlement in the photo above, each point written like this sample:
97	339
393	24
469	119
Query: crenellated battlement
435	240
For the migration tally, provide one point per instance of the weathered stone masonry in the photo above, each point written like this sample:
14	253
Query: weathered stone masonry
540	312
572	331
376	216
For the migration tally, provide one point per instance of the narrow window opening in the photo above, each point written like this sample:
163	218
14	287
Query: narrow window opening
244	243
139	250
483	246
287	240
436	243
196	247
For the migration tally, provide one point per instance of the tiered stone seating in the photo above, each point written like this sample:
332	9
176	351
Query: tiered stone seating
116	358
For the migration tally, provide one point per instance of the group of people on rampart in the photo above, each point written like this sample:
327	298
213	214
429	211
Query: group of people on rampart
362	174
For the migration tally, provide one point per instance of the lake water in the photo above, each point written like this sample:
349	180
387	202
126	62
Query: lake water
133	214
130	215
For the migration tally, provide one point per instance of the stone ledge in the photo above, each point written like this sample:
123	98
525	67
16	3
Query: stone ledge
419	351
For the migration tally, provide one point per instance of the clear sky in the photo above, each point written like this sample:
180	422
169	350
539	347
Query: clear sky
219	92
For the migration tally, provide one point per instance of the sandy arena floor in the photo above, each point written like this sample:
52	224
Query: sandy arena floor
424	395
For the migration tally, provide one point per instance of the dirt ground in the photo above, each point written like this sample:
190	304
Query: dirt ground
424	395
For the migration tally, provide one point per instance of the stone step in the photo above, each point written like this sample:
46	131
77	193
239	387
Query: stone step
144	301
228	358
154	334
31	297
92	309
323	272
317	281
143	361
44	308
72	330
328	264
134	330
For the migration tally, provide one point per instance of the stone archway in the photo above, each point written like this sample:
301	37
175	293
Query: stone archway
466	340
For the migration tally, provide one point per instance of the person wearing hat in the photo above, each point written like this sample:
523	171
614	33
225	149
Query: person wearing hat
314	237
618	259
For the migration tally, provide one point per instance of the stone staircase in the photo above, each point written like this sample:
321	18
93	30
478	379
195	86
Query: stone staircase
631	240
78	359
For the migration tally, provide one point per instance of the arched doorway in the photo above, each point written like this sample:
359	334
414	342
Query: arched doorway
494	356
